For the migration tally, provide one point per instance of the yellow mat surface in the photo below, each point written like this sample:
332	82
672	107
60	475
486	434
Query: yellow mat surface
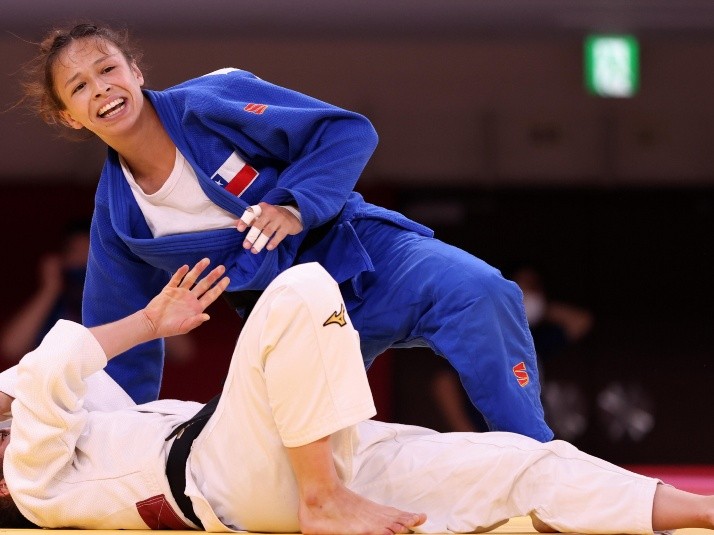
520	525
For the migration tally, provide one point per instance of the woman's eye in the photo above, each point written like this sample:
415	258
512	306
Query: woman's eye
107	69
77	88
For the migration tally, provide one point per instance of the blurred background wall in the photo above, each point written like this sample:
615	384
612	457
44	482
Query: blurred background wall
488	135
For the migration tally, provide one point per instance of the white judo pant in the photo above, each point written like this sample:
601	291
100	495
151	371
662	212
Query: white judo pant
297	376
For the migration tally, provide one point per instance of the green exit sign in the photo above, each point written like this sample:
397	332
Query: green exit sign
612	65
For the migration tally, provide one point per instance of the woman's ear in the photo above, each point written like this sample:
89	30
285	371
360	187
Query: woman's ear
67	120
137	73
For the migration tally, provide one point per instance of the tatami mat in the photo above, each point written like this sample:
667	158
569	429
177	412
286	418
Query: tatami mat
517	526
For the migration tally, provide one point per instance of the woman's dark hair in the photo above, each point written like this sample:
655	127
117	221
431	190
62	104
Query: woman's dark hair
10	515
39	87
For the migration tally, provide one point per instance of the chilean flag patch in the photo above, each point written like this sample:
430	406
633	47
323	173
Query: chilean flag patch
235	175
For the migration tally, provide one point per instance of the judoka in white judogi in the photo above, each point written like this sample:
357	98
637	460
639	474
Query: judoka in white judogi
84	457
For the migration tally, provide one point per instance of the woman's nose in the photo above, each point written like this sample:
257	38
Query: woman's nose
101	89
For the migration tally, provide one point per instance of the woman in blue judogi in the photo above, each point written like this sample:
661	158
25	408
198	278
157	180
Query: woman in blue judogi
259	178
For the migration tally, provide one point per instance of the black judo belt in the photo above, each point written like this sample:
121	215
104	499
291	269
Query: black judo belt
185	434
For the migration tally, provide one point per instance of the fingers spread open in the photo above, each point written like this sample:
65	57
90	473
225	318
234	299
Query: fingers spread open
190	279
212	294
177	277
206	282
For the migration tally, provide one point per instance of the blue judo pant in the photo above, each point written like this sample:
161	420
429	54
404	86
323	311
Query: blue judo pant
424	292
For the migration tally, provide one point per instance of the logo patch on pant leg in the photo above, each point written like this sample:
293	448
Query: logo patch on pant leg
519	370
337	318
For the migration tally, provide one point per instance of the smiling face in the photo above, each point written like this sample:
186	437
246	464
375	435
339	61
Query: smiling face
100	90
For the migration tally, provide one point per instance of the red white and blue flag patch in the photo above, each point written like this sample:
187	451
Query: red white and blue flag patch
235	175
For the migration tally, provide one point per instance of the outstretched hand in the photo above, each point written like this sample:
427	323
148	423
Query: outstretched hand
180	306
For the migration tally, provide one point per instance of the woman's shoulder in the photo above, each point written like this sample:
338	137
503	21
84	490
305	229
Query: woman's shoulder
217	78
220	85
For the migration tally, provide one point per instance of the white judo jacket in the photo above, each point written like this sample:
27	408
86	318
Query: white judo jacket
81	455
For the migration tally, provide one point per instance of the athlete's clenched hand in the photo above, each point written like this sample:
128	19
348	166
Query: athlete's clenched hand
269	225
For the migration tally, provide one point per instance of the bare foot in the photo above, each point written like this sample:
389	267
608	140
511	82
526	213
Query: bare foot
341	511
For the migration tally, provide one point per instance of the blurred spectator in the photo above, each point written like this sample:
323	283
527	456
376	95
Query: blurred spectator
554	326
59	296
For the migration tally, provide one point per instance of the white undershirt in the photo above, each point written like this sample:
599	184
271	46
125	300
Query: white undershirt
180	206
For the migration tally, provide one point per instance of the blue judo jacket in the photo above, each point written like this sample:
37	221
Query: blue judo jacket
298	150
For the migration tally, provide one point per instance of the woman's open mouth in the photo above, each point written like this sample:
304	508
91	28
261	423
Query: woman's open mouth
108	110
